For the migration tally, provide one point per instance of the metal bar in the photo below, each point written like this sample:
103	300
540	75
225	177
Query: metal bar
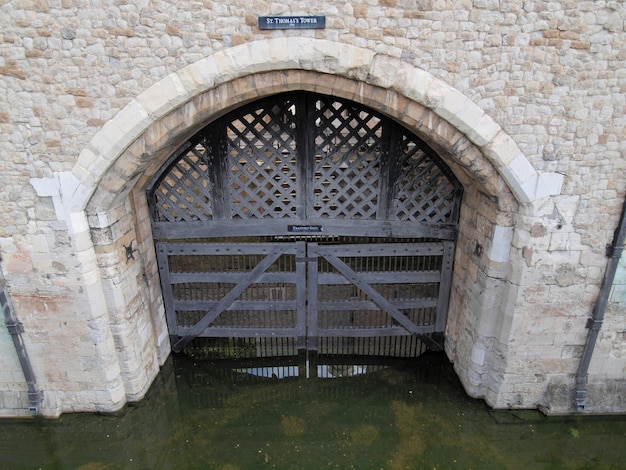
228	299
35	397
595	322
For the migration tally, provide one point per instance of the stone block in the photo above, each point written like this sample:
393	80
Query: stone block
483	131
503	151
500	248
384	70
161	98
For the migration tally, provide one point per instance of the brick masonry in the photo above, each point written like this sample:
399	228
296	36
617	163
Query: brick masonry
525	101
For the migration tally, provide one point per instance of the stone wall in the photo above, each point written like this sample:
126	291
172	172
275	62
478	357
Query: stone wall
525	100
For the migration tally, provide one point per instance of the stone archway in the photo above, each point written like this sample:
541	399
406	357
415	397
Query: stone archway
102	199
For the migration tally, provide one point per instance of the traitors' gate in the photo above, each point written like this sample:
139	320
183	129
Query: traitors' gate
305	222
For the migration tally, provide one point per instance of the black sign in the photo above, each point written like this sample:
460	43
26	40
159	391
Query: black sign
292	22
305	228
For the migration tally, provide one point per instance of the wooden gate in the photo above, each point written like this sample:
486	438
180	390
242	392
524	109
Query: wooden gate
306	222
288	296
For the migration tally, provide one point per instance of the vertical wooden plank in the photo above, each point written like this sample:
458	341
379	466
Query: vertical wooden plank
166	288
300	281
218	169
305	154
388	171
445	284
312	318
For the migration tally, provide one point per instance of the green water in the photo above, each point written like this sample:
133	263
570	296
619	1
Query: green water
200	415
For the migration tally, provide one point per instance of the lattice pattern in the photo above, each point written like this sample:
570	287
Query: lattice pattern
262	163
348	149
424	193
306	155
183	195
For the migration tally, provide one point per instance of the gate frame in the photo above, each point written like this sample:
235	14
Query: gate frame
307	280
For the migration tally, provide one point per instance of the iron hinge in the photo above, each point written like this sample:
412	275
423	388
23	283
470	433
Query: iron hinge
15	328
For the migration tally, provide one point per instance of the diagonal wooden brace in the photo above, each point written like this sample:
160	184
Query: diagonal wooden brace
228	299
378	299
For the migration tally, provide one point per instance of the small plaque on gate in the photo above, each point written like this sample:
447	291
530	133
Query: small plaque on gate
305	228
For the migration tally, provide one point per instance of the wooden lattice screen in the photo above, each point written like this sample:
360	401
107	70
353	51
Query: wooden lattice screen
305	157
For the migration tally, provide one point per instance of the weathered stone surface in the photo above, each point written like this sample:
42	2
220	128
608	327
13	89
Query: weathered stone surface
525	103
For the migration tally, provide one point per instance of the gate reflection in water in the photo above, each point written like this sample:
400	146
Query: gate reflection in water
311	367
241	415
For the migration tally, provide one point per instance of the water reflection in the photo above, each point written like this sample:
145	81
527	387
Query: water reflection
243	415
315	367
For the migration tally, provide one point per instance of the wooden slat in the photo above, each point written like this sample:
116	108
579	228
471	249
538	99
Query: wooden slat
232	278
383	249
242	305
335	227
223	332
372	332
292	305
226	248
369	305
394	277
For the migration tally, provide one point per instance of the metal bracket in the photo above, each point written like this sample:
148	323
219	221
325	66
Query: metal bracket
35	398
129	251
15	328
580	393
614	251
593	325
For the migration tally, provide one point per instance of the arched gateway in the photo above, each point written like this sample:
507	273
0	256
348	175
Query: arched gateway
103	204
305	222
